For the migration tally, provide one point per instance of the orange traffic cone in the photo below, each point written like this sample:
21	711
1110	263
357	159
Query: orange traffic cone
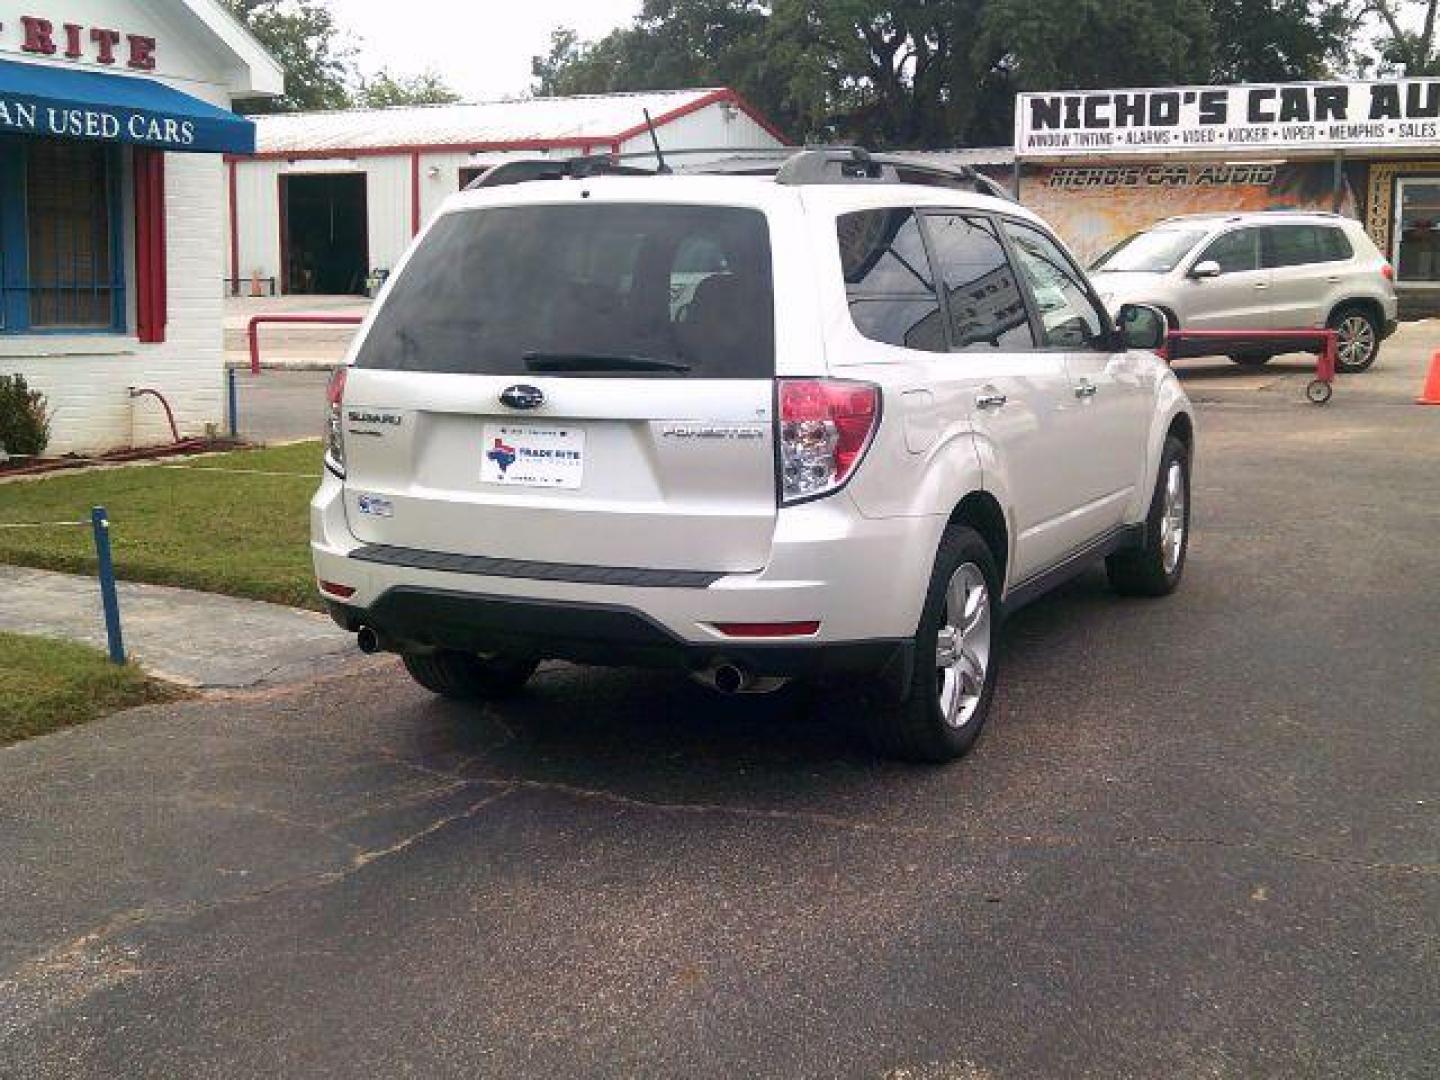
1431	394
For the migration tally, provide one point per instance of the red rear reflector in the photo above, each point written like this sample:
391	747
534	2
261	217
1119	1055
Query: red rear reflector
342	591
335	389
1387	272
768	629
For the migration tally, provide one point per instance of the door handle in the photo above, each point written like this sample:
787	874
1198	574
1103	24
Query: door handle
1334	279
989	399
1262	285
1086	389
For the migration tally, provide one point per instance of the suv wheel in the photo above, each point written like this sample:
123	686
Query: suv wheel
464	676
1357	338
945	706
1154	569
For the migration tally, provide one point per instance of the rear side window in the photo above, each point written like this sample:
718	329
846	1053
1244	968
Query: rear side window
888	280
1299	245
1335	245
987	308
492	291
1236	252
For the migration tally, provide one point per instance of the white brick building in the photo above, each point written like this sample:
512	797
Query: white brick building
327	198
113	119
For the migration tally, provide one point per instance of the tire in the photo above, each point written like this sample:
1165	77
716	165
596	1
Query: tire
1356	326
1250	360
915	727
465	677
1155	568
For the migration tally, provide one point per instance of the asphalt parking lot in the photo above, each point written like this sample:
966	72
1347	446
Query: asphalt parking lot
1201	837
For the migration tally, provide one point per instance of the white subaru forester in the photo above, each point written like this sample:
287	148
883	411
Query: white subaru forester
829	418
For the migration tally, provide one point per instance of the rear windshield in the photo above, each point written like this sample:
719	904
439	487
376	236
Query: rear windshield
1155	252
593	289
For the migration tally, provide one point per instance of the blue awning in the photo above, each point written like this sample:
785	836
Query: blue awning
39	99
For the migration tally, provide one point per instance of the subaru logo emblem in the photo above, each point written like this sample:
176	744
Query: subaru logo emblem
522	396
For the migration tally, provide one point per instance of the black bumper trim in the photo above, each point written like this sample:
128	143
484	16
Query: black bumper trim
416	617
418	559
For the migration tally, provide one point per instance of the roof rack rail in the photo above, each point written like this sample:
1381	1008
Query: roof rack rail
855	164
814	165
523	170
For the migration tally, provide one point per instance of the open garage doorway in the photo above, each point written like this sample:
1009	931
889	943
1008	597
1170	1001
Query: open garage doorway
323	229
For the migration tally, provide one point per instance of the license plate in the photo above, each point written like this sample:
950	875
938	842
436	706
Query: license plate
533	455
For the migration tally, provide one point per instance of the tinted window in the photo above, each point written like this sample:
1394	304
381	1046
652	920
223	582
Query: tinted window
686	284
888	279
987	309
1069	317
1236	251
1298	245
1335	245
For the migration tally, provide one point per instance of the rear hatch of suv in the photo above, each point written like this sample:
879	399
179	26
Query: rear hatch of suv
582	382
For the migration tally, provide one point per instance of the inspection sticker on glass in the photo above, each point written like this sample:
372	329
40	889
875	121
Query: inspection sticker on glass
532	455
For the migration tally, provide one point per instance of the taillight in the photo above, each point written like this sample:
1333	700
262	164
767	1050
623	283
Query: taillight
1387	271
824	428
334	423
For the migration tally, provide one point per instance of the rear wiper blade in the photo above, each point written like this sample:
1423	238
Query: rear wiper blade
564	361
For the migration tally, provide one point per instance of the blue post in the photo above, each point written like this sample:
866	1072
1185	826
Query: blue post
100	525
234	403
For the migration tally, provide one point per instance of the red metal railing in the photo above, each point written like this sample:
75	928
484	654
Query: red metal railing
1323	343
252	330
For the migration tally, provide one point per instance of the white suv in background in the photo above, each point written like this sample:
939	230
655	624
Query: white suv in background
1272	270
832	420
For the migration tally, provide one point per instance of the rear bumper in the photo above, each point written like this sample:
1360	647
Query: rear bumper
862	579
419	617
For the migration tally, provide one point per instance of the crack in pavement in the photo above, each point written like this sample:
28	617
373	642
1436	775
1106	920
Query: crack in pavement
62	976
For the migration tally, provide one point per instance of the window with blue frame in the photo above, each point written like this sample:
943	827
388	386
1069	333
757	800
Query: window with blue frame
62	261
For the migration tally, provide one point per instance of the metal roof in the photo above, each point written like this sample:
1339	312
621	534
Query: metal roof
973	156
535	123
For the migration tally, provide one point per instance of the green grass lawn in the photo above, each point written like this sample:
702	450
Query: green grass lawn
52	684
207	526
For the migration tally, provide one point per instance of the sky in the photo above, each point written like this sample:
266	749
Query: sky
482	48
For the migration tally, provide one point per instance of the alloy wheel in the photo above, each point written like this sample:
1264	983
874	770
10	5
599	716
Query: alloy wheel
962	647
1355	341
1172	518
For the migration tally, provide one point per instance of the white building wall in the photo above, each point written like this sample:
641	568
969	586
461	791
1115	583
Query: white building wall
86	378
713	126
387	195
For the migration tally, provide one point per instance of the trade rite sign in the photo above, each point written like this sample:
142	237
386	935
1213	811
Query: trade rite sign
1269	117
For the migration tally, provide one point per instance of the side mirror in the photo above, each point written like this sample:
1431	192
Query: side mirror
1142	327
1207	269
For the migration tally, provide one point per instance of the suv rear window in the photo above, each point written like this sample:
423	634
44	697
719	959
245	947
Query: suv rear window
688	286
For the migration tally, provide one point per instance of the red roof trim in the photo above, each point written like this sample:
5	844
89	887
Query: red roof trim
714	97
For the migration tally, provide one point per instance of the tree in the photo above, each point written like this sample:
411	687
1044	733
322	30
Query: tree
384	90
904	73
1276	40
1403	43
303	37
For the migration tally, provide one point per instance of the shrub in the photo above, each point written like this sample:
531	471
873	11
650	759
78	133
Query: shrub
24	422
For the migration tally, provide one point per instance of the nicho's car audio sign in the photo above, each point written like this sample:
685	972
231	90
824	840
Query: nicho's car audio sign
1195	119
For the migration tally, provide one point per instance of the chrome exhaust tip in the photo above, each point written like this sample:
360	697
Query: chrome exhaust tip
368	638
